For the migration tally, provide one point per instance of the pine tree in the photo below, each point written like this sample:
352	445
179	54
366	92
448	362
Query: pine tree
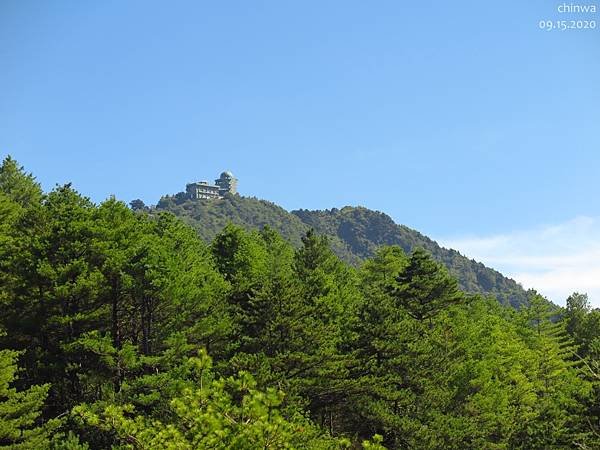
20	411
18	185
219	413
424	287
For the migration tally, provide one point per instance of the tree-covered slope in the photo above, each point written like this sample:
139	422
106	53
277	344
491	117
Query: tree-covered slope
209	217
354	233
364	230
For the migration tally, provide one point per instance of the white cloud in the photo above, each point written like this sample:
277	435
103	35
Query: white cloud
556	260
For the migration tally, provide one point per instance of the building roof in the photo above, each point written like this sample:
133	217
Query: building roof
202	183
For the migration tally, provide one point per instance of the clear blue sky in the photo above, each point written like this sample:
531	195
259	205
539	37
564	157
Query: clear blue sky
454	117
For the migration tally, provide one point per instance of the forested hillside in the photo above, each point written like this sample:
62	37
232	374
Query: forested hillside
121	329
364	230
354	235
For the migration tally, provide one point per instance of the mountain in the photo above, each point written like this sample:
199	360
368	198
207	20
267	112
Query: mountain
354	234
363	230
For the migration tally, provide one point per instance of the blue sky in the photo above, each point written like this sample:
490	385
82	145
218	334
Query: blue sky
464	121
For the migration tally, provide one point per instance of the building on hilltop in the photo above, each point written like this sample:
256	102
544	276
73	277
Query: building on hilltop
225	184
202	189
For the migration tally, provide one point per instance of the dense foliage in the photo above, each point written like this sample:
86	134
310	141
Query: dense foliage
364	231
131	332
354	234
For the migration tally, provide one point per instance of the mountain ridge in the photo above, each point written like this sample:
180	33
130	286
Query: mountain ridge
354	232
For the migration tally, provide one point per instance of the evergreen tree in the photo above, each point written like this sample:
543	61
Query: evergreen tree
18	185
424	287
214	413
20	411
